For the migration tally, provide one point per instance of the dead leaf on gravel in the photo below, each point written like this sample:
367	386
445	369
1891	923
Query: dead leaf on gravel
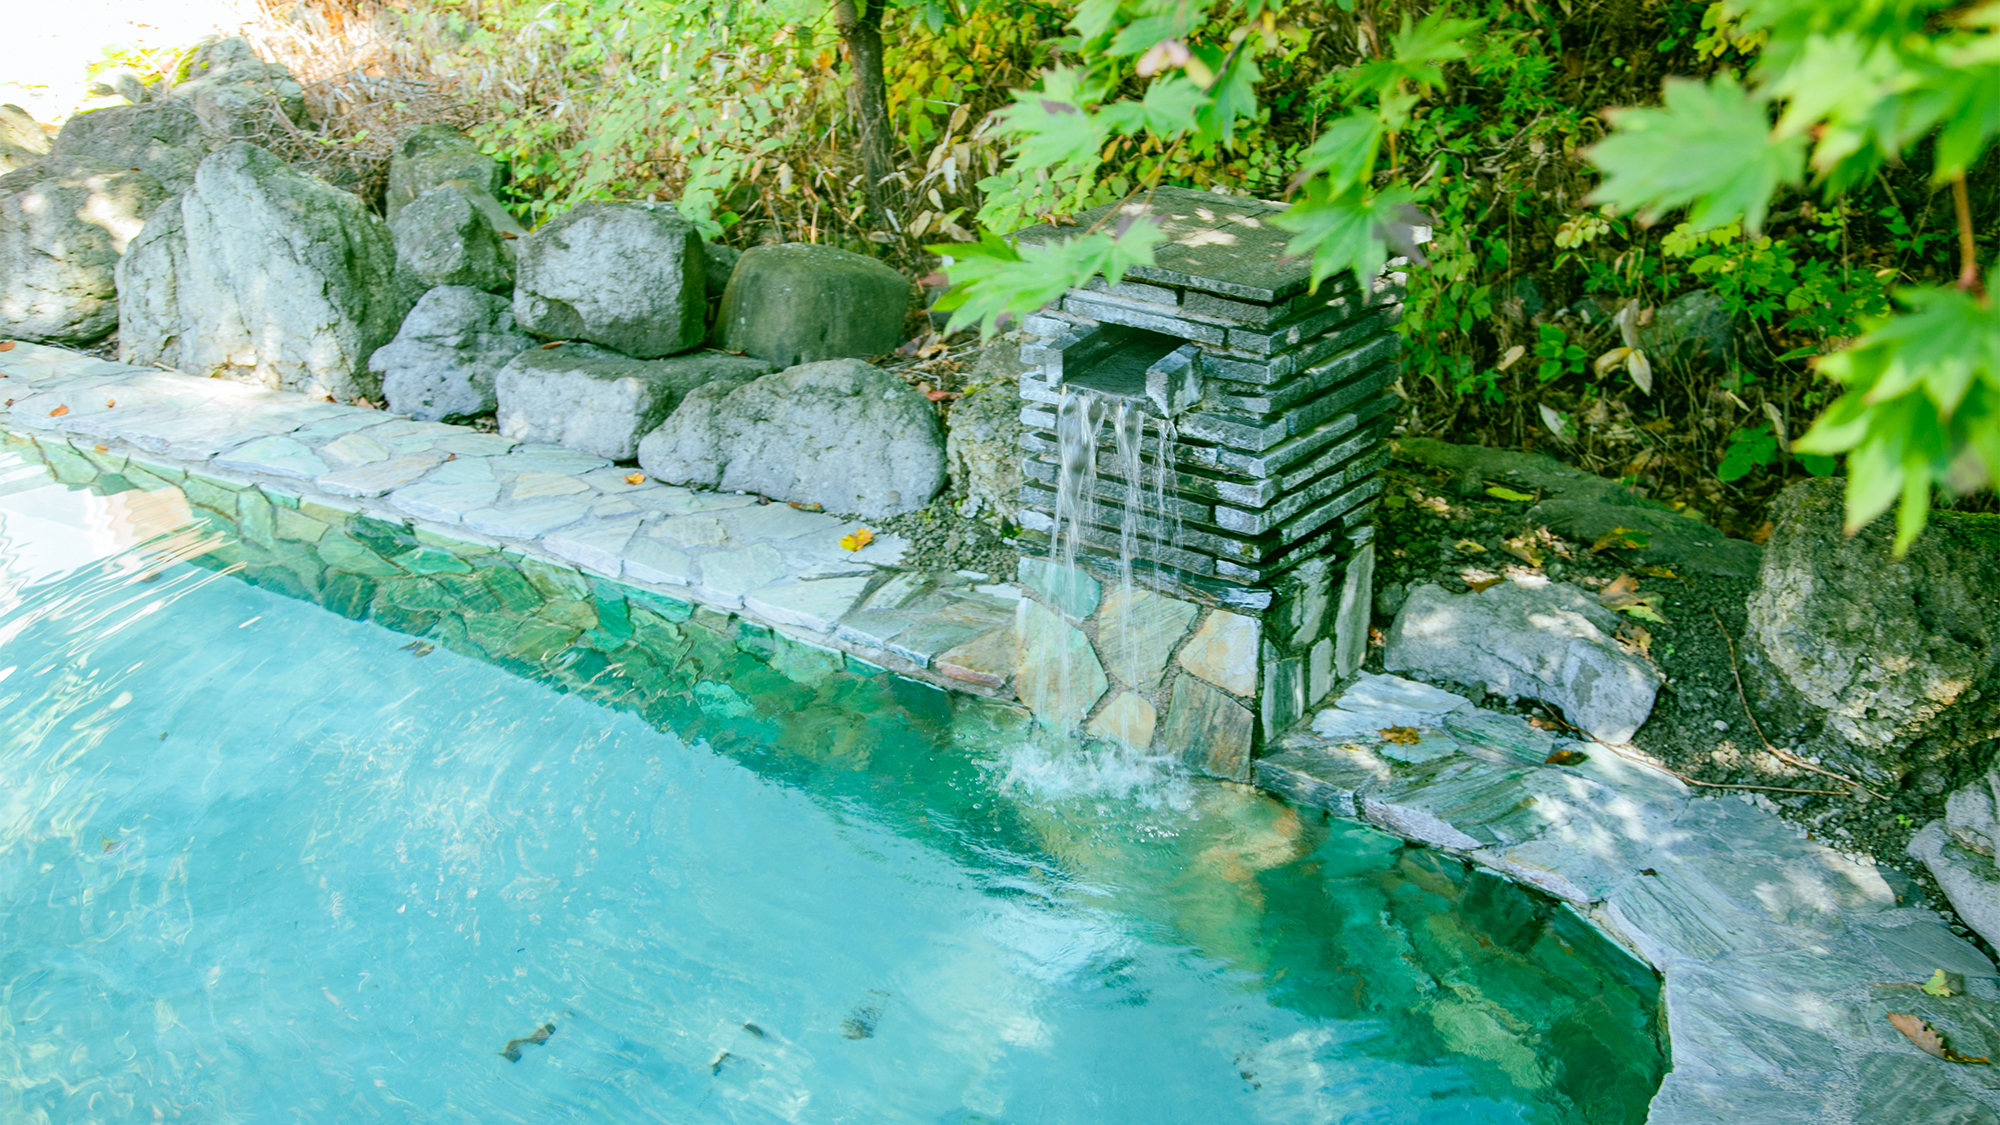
1658	572
1762	535
1622	539
1523	547
1401	736
1635	639
1622	594
1927	1039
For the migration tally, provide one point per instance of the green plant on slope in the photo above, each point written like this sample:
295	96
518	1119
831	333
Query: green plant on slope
1840	91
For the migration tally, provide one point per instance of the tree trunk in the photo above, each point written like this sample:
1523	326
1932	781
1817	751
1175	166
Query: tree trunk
860	24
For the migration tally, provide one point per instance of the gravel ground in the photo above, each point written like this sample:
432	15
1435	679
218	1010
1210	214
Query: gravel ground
1437	529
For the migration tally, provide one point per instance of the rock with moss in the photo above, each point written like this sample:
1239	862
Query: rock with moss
263	274
433	155
236	94
1887	666
802	303
628	276
983	441
61	235
843	434
22	140
161	138
448	237
441	365
596	401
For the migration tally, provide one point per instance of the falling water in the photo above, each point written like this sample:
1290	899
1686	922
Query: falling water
1144	490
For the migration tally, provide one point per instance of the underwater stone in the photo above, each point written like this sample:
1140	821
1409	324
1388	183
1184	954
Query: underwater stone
348	595
1212	731
1056	672
1224	652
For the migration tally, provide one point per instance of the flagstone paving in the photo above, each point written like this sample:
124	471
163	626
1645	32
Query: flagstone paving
1781	957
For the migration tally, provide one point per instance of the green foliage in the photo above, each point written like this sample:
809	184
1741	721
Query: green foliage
1557	354
1754	448
1844	89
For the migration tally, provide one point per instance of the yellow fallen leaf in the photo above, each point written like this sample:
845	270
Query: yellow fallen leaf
1481	585
1468	547
6	345
1657	572
859	539
1936	986
59	411
1622	539
1401	736
635	478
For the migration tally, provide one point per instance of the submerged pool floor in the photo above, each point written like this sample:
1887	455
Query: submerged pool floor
262	863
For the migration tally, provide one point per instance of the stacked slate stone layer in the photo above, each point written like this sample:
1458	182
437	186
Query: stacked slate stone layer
1260	541
1278	460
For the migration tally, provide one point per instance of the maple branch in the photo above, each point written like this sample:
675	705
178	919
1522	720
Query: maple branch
1968	250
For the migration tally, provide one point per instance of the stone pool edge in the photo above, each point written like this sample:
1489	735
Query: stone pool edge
1778	955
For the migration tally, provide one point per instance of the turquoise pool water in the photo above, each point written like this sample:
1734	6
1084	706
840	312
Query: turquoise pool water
260	862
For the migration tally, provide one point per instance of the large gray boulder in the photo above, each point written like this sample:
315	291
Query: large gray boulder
22	141
1966	875
235	94
1895	662
263	274
61	235
441	365
1546	640
599	402
629	276
841	433
447	238
161	138
800	303
431	155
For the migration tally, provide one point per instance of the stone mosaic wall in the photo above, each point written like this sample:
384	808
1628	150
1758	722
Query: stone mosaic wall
1212	684
695	669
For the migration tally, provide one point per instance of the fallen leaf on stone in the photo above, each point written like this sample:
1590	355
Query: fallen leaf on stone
1566	758
1401	736
635	478
509	235
861	538
1649	871
1481	585
1936	986
940	396
1927	1039
1621	538
1618	590
6	345
806	506
1468	547
109	403
1499	493
554	344
100	449
59	411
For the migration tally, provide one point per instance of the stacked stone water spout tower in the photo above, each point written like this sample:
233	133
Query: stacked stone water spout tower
1203	456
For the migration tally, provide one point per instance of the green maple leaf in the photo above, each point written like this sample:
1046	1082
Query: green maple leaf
1708	147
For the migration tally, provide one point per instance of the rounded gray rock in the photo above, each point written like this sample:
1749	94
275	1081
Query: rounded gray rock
841	433
61	235
1546	640
446	238
263	274
431	155
161	138
596	401
801	303
22	141
441	365
629	276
